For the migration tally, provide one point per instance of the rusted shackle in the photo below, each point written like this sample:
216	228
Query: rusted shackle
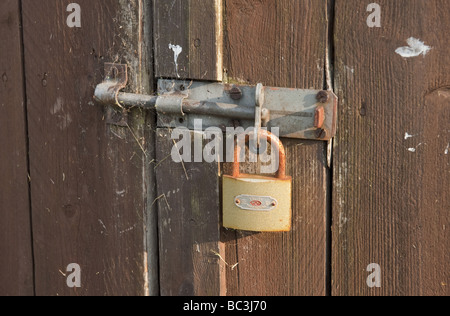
276	144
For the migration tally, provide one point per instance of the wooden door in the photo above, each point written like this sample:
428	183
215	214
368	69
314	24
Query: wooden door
369	208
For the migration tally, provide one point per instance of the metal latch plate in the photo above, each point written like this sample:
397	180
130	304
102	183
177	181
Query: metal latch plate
294	111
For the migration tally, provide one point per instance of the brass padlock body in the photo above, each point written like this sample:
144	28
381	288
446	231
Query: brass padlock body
277	220
258	203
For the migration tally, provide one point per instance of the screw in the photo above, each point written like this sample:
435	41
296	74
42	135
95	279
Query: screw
238	202
169	86
236	93
323	96
321	133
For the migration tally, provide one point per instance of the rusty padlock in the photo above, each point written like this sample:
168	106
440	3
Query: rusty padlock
258	203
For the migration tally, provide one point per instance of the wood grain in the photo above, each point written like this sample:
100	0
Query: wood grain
16	259
434	277
278	43
282	43
195	26
191	255
390	182
89	189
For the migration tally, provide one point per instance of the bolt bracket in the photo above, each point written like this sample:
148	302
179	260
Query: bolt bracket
107	92
297	113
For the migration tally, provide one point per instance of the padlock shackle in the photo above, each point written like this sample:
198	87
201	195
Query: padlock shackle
274	142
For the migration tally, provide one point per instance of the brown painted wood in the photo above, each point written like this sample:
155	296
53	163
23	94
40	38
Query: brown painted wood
195	26
16	260
282	43
435	277
90	201
191	255
390	190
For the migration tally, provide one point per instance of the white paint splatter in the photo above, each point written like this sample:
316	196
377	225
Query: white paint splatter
416	48
349	69
407	136
447	149
177	49
413	150
342	222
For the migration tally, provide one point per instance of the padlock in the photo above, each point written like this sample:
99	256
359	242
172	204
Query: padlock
258	203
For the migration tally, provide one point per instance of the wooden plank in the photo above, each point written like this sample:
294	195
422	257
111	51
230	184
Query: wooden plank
390	196
436	168
188	39
282	43
16	260
90	197
191	255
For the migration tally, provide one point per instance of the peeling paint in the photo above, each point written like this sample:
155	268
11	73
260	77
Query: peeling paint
63	119
57	107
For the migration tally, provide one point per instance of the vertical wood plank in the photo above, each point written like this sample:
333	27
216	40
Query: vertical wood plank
390	203
434	276
282	43
89	188
16	261
195	27
191	256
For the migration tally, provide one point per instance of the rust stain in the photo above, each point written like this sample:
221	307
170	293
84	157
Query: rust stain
319	117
